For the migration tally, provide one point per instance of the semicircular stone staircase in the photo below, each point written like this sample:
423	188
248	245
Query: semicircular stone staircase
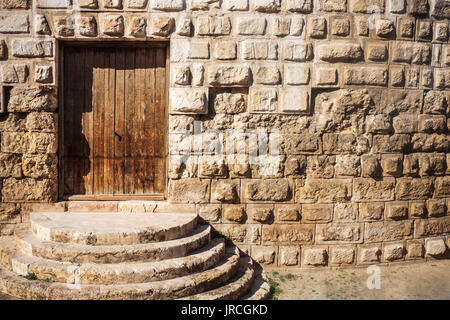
114	255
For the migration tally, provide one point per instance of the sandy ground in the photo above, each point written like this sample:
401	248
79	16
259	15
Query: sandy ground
429	280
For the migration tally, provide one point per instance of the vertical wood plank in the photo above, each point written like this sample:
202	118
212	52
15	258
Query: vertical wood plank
130	96
78	105
88	122
139	132
99	115
149	125
108	172
160	119
68	110
119	125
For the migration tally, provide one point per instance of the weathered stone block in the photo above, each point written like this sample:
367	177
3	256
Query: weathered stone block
317	212
339	233
21	190
261	213
442	187
345	212
213	26
259	50
31	48
210	213
393	252
288	255
432	227
161	26
304	6
371	76
324	190
298	51
397	210
371	211
42	121
334	143
267	5
13	22
374	190
248	26
10	166
225	50
342	255
413	189
263	99
264	254
367	6
295	100
340	52
225	191
287	212
435	247
315	257
234	213
171	5
387	231
230	103
287	233
414	249
228	75
267	190
40	166
241	233
300	143
296	75
188	100
266	74
43	74
189	191
369	254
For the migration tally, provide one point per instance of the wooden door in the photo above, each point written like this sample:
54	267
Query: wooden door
114	120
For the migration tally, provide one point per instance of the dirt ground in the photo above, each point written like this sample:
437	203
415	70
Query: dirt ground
430	280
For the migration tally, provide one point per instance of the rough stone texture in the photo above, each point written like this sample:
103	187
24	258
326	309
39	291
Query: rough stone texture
341	108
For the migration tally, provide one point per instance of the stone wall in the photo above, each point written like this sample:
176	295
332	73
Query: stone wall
310	132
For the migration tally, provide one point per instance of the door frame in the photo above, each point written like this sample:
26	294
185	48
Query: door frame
61	44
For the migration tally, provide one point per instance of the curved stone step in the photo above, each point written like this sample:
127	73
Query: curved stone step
12	284
110	228
260	289
78	253
120	273
235	288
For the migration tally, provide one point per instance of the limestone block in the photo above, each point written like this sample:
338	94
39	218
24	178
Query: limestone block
188	100
210	213
264	254
165	5
435	247
339	233
267	74
43	74
397	210
287	234
137	26
384	28
413	189
189	191
372	76
41	25
387	231
236	5
432	226
297	51
369	254
24	48
333	5
295	100
42	122
14	22
316	213
317	27
29	189
259	50
230	103
393	252
367	6
10	166
440	9
213	25
225	191
371	211
263	99
225	50
267	5
14	73
40	166
267	190
288	255
161	26
414	249
373	190
296	75
53	4
340	52
64	26
314	257
342	255
436	208
260	213
88	4
287	212
234	214
228	75
324	190
304	6
248	26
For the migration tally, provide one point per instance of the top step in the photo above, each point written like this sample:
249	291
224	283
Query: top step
110	228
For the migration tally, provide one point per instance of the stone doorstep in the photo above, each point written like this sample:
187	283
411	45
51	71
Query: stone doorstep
109	228
76	253
128	206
